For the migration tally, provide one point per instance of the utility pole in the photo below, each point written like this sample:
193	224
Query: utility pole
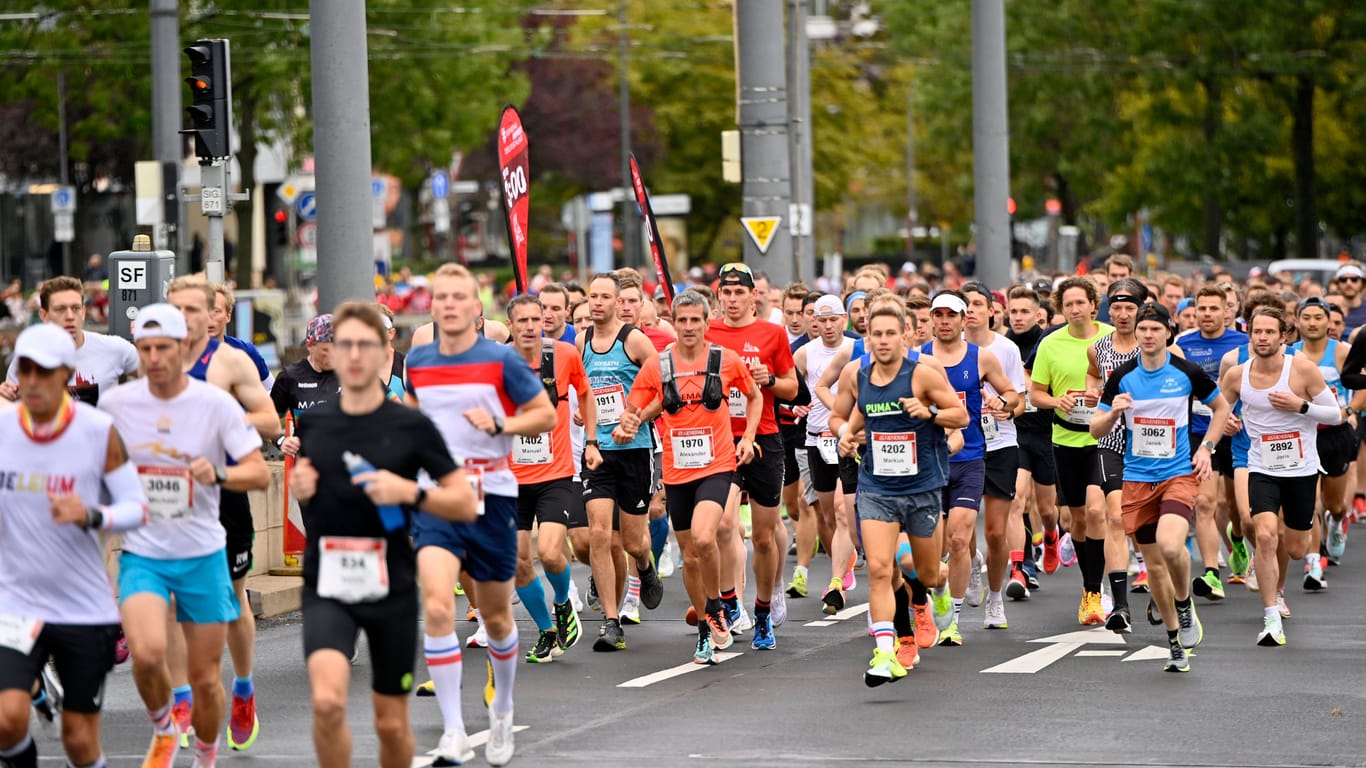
764	152
67	267
800	142
341	139
912	211
990	142
630	234
166	142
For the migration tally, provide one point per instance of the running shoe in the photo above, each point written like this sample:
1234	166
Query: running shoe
502	741
651	588
850	580
426	689
454	748
1191	631
1067	551
740	620
1282	607
480	638
459	590
1154	618
472	614
884	668
546	649
1119	622
976	590
574	598
1359	506
243	725
1031	573
566	625
1052	556
859	562
797	587
925	631
630	610
704	653
489	690
162	752
1107	602
1140	585
763	634
1337	537
778	605
942	603
1272	634
1088	611
666	561
1252	585
907	652
1179	660
995	615
833	598
1016	588
1238	559
181	714
594	601
1208	586
951	636
121	653
721	637
610	637
1314	580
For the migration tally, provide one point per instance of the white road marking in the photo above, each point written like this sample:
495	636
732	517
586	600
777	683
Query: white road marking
1100	653
1059	647
1150	653
820	623
672	672
847	613
477	740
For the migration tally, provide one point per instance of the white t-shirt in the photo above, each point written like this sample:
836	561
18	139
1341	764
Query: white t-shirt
1004	434
163	437
100	362
54	573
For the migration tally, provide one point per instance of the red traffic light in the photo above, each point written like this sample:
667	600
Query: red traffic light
1010	206
281	216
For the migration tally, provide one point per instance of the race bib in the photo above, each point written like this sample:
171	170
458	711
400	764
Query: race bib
1081	413
1200	409
19	633
1282	451
829	447
352	569
532	450
692	448
1154	438
739	404
894	454
476	477
169	492
611	403
989	429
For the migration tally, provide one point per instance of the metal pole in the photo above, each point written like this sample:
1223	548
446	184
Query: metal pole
763	130
166	120
630	233
912	210
213	195
67	267
341	137
800	143
990	142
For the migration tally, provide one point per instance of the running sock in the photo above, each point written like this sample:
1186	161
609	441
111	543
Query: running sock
1079	547
1311	559
1183	605
503	657
801	569
885	635
243	687
919	595
25	753
1215	570
1142	566
1271	612
1119	588
99	763
161	720
445	666
1174	637
1095	561
659	536
1016	559
957	608
633	587
205	753
901	619
729	600
533	600
559	584
762	608
182	694
993	597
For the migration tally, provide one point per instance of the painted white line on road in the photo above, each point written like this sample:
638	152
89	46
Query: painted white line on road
1033	661
477	740
1100	653
851	612
672	672
1151	653
820	623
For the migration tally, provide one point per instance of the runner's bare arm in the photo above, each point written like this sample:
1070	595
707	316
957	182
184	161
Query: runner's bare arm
247	388
1093	379
843	408
639	348
831	374
785	386
995	375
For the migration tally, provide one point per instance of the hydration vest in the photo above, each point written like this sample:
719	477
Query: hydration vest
548	371
712	396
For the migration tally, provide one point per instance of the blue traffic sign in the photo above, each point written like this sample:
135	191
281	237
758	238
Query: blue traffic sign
307	205
378	188
63	195
441	185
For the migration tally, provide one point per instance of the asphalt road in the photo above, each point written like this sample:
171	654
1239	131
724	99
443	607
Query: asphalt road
1085	702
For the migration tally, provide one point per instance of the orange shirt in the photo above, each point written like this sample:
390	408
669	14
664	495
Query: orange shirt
697	442
757	342
549	456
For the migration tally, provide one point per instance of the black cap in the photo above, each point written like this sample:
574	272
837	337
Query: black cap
1314	301
1042	285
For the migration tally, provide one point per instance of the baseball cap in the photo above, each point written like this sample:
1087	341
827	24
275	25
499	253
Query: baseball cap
1154	311
829	305
159	321
46	345
950	302
660	293
1184	304
1314	301
736	273
1042	285
1349	270
319	330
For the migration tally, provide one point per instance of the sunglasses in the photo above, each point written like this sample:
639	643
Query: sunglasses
736	266
1349	279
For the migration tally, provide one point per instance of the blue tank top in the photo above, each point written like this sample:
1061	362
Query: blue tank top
200	369
966	378
1328	366
896	442
611	375
866	359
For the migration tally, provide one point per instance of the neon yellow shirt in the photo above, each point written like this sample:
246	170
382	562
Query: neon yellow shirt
1061	364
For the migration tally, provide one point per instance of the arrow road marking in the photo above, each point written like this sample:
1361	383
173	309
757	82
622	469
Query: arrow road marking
1059	647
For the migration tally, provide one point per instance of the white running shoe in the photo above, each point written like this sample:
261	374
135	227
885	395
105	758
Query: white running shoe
666	561
574	597
630	610
1281	607
744	623
995	617
973	596
480	638
778	606
454	748
501	739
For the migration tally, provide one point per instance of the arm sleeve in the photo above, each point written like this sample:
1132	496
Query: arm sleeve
127	508
1352	375
1324	408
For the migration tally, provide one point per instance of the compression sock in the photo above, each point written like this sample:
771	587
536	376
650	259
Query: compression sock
444	664
533	600
559	584
901	618
25	753
919	595
182	694
729	600
1119	588
503	657
243	687
1095	563
659	536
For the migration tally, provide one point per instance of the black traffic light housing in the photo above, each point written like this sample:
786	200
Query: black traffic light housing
210	110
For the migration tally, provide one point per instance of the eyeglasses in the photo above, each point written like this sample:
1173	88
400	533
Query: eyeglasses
736	266
346	346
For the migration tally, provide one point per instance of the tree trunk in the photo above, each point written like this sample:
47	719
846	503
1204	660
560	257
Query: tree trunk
1302	149
246	160
1211	123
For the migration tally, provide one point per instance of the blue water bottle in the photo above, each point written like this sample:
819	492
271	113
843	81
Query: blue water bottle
391	515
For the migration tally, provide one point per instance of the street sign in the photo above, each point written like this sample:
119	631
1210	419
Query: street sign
441	185
761	230
307	205
63	226
64	200
379	195
799	219
307	235
289	189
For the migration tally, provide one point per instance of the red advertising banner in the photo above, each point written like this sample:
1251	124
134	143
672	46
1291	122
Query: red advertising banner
515	168
647	217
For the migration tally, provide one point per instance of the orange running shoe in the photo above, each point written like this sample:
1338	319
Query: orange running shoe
162	752
907	652
926	633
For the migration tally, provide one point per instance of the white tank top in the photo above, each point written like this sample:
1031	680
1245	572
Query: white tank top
52	572
1002	434
818	357
1283	443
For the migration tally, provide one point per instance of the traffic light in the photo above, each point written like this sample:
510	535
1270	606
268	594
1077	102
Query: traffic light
211	108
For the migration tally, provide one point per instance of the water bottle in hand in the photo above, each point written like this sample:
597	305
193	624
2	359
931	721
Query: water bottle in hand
391	515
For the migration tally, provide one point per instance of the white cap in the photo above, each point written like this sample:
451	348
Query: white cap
950	302
166	322
48	345
1349	270
829	305
907	267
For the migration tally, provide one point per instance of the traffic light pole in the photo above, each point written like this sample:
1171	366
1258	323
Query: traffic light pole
215	197
990	142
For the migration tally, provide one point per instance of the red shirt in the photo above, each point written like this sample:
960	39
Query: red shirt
550	456
658	337
759	342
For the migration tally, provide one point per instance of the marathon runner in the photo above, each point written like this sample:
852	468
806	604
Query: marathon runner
220	317
1035	484
308	383
358	494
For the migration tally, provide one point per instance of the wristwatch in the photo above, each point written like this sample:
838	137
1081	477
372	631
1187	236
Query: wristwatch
934	413
1207	445
280	441
592	442
220	474
1304	406
497	425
